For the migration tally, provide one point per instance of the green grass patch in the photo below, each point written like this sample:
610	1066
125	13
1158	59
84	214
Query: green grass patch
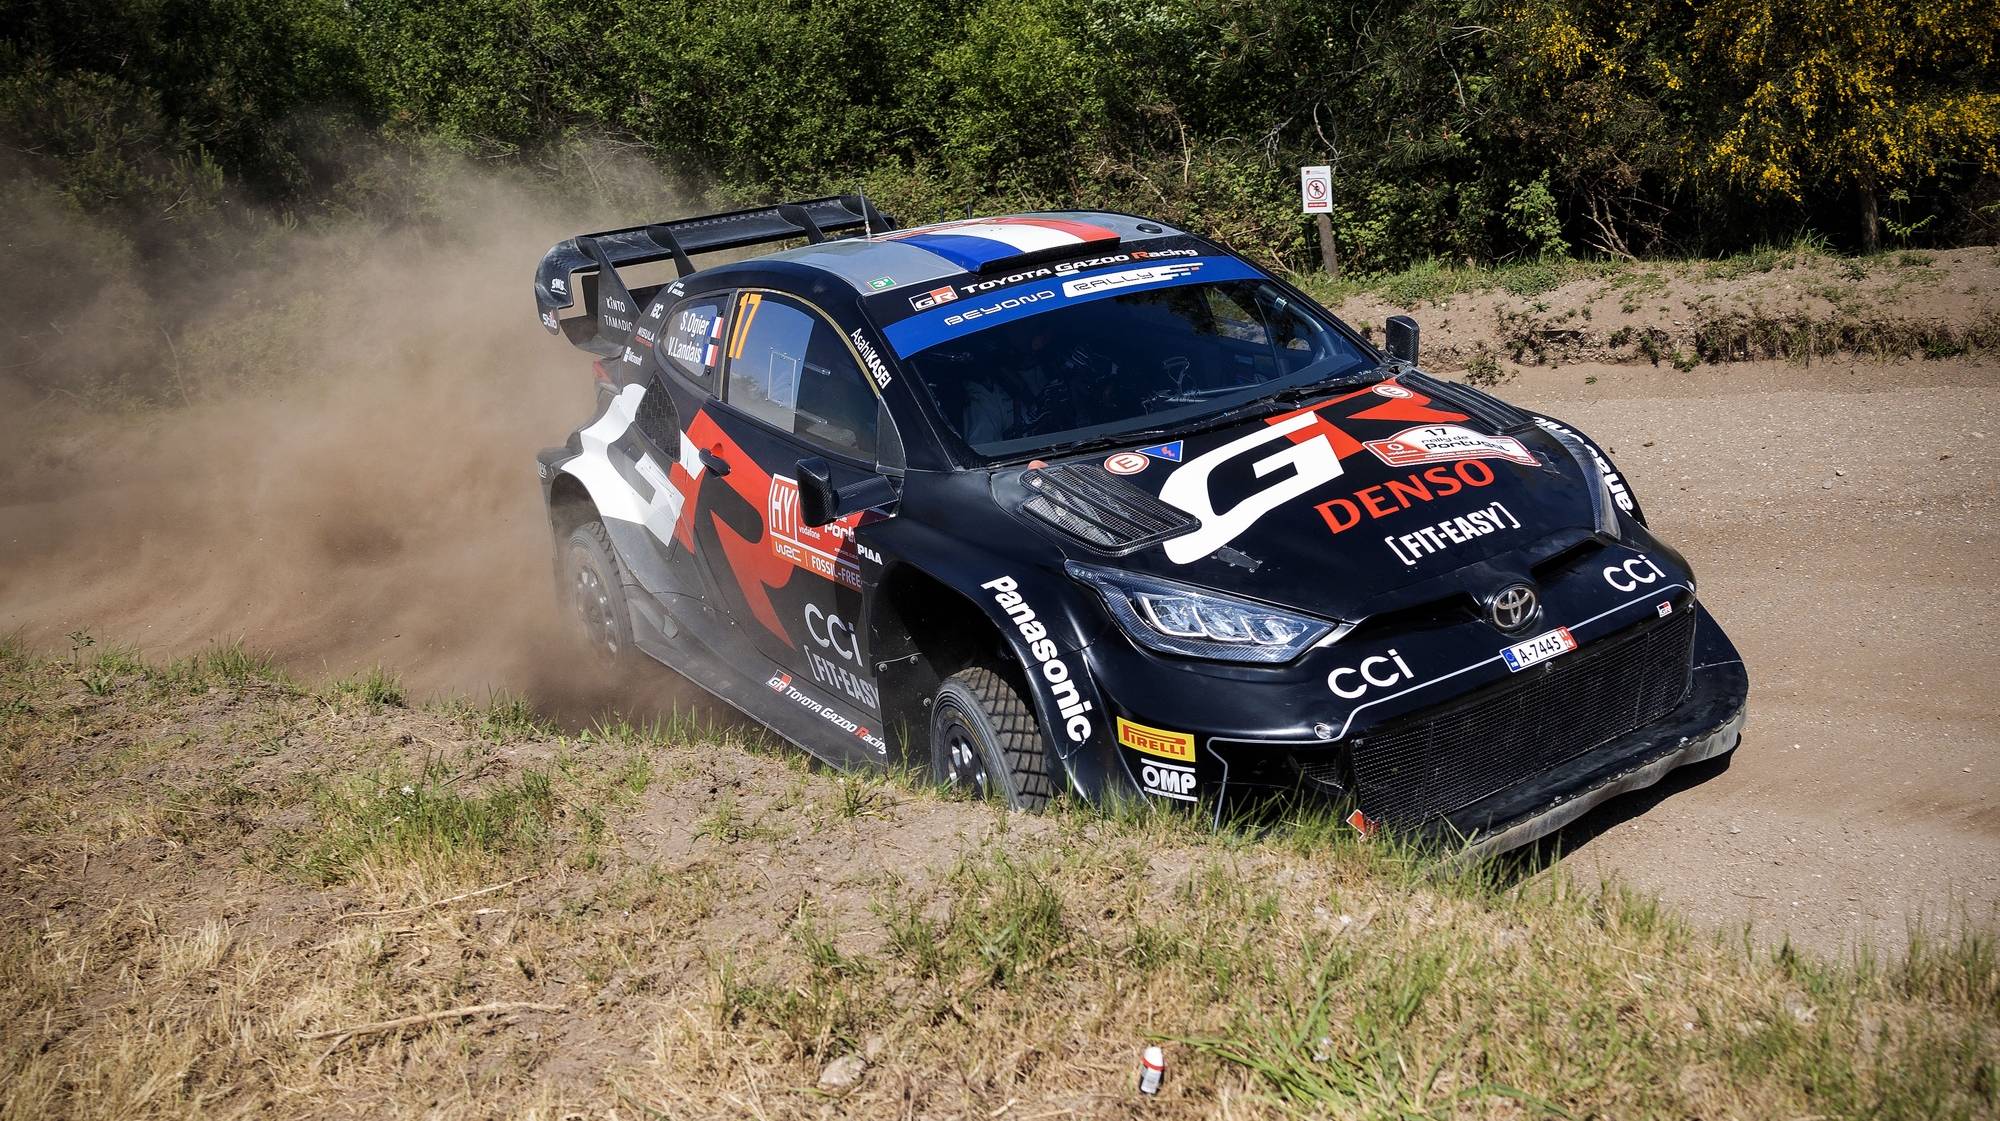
376	687
509	715
419	818
1290	967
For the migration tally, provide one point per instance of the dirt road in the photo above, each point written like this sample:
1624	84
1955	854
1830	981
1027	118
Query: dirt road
1843	520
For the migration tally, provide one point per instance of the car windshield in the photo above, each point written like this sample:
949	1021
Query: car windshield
1089	371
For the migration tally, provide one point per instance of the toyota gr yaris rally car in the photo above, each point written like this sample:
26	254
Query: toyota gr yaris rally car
1080	501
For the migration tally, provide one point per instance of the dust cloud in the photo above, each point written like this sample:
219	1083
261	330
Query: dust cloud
328	455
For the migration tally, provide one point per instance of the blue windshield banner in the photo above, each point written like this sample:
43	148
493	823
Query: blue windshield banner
964	315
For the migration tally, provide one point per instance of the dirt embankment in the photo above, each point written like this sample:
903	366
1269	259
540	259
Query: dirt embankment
1792	305
226	896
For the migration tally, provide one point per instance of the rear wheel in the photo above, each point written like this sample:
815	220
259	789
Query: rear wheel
596	597
985	741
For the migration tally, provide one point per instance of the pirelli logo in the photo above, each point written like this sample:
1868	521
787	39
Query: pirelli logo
1156	741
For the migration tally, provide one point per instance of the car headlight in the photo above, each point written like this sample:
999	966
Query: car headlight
1196	623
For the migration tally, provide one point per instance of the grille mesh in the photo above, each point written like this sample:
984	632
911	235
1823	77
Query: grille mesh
1434	764
1091	503
658	419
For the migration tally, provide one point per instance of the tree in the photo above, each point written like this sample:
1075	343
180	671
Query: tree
1862	95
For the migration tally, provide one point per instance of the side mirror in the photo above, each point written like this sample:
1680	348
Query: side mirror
1401	331
818	500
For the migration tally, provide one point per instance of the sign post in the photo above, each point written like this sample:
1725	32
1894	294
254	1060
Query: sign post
1316	194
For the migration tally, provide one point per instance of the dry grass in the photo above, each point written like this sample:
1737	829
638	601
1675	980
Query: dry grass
230	895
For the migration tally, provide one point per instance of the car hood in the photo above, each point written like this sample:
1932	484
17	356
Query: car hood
1372	499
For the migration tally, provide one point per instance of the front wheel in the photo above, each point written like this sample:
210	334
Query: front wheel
985	741
596	597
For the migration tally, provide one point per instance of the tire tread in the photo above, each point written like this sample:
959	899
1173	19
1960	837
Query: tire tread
1020	736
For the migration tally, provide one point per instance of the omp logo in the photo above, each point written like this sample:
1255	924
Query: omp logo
1054	671
1630	575
1156	741
1128	278
1168	781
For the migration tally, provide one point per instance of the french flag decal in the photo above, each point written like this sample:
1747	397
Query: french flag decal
714	342
978	242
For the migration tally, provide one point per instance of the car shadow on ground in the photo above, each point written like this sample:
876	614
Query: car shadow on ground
1530	859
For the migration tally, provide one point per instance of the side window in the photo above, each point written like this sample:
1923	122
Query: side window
790	369
691	341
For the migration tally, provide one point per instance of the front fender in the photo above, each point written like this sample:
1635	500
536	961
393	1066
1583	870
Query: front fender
1621	492
1045	621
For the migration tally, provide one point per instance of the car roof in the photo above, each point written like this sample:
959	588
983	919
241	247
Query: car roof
924	254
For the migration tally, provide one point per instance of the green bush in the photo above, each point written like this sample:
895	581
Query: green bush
1459	130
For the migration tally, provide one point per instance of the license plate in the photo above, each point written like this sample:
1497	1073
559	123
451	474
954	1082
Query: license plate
1540	648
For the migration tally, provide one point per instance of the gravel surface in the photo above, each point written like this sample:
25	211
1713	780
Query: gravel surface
1842	521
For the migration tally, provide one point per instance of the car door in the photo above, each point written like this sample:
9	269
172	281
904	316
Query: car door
676	369
792	389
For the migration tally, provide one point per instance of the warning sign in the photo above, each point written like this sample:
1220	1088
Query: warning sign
1316	189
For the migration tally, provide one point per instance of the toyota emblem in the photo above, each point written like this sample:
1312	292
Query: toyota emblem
1513	607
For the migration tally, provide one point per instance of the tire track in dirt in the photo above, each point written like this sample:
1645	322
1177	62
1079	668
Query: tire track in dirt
1842	520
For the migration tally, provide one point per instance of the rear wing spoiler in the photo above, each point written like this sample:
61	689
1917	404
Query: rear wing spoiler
592	261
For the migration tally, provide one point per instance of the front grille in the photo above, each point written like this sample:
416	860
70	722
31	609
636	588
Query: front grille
1090	503
1442	761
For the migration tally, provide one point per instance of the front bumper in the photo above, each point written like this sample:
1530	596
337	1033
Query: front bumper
1705	722
1708	724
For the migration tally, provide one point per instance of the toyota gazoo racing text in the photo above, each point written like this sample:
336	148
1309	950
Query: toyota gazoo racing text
1081	501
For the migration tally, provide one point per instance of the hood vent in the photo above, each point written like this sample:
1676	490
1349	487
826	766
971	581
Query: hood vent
1100	509
1485	408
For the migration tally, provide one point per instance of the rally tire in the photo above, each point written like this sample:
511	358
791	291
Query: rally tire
985	740
593	594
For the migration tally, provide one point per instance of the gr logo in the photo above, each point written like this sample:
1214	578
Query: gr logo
833	633
1377	672
1294	469
1633	573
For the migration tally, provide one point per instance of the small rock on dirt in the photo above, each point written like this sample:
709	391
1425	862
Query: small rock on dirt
842	1073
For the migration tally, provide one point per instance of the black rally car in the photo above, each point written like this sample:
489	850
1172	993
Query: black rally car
1081	501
